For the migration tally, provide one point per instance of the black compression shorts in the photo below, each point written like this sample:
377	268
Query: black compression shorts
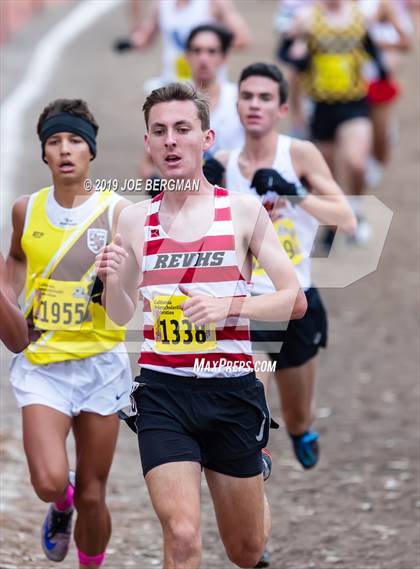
327	117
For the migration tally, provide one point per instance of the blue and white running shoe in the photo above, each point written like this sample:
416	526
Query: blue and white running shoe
57	530
306	448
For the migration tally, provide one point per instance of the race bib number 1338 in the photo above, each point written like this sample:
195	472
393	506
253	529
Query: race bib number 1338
173	331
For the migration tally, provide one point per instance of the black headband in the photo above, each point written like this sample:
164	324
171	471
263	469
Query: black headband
66	122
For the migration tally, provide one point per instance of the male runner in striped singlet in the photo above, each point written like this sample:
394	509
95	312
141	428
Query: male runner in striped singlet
198	402
13	327
75	373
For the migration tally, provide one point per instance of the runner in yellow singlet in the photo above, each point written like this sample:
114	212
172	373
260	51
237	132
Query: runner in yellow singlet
75	374
338	47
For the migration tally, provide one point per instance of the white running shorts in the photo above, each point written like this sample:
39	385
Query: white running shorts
98	384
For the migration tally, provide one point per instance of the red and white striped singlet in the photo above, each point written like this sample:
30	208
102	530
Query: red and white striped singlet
205	266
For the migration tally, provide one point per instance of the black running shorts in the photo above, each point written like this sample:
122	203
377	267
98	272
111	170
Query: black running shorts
302	339
221	423
327	117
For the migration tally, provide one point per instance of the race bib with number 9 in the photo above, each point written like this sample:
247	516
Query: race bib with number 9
61	305
174	332
285	229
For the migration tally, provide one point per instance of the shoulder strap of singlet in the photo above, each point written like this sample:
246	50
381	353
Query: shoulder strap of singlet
32	198
67	245
232	167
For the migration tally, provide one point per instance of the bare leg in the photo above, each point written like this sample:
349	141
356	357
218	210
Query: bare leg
353	147
381	115
45	431
263	376
96	437
296	389
242	514
174	489
296	98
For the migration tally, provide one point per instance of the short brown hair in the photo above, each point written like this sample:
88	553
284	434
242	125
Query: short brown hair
178	92
76	107
267	70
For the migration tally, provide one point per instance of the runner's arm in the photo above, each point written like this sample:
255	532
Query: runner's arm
226	13
13	327
16	259
144	33
135	10
119	206
254	233
288	302
325	201
118	267
300	25
386	12
375	54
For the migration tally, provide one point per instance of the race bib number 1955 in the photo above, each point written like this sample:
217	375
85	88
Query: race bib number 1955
61	305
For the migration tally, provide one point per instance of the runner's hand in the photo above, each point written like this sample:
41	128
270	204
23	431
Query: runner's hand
109	261
123	44
269	180
202	309
214	171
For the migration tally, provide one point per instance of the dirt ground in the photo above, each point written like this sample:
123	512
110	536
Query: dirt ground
359	509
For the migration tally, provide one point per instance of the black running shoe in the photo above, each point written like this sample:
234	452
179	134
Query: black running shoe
264	561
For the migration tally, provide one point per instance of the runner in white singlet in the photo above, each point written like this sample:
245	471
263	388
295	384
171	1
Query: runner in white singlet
273	166
175	19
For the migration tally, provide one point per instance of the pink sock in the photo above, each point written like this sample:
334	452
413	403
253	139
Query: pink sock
67	503
89	559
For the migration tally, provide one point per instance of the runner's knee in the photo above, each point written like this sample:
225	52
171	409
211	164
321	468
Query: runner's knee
246	552
49	486
90	499
296	420
184	539
357	163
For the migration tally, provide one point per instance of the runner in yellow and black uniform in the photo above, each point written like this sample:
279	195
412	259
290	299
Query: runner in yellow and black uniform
75	373
334	80
338	47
